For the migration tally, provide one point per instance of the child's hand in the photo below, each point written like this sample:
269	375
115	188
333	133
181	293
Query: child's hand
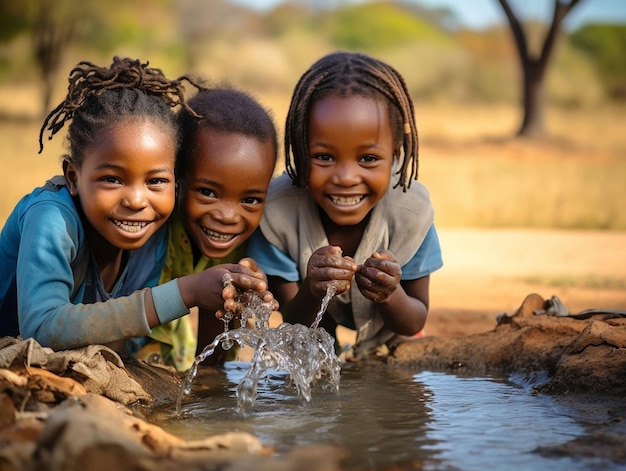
236	297
252	265
327	267
212	287
379	276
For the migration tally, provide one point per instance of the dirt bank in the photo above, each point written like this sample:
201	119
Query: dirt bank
67	419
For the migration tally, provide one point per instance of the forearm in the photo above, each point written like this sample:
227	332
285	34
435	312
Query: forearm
78	325
403	314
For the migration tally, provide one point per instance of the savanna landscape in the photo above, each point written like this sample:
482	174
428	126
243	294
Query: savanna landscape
516	215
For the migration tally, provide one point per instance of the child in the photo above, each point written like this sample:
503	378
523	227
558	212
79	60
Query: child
224	167
336	219
74	252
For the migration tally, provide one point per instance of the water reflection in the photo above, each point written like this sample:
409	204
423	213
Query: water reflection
388	419
478	422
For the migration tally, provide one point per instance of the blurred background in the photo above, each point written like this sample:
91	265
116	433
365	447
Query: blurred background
492	156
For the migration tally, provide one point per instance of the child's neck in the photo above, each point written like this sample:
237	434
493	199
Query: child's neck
346	237
111	260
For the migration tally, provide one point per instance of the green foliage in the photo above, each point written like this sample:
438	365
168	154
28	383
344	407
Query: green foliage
606	46
16	16
375	26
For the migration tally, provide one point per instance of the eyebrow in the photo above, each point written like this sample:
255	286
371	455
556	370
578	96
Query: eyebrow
206	181
109	166
328	146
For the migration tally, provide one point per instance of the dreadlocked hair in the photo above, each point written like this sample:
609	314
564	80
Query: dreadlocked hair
225	109
98	97
347	74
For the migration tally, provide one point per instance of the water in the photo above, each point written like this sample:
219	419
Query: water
389	418
306	354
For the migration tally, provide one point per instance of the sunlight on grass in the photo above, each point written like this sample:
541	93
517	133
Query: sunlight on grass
586	282
478	176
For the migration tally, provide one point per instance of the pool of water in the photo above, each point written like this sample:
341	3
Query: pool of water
386	417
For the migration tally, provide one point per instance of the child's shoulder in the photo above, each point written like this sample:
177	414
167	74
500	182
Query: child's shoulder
414	194
48	203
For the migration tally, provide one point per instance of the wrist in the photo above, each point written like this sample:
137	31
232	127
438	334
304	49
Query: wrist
168	302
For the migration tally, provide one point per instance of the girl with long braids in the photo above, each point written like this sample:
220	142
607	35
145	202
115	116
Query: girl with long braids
77	254
337	218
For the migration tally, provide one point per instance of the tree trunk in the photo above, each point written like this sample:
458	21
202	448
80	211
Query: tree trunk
534	68
54	30
533	123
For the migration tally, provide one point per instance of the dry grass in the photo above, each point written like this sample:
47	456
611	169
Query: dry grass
477	174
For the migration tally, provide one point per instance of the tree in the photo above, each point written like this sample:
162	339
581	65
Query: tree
54	29
605	45
53	26
534	67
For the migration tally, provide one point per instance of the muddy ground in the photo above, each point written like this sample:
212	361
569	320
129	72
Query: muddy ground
481	320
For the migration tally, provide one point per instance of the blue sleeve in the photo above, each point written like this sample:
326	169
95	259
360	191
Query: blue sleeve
161	238
271	260
426	260
50	241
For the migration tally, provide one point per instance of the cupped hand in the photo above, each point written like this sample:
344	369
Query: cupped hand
237	293
328	267
379	276
214	285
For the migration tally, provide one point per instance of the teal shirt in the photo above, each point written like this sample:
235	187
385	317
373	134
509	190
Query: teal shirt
50	283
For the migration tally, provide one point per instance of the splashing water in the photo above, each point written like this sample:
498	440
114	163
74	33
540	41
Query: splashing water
306	354
330	292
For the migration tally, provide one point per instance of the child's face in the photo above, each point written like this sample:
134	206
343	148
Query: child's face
126	182
221	198
351	147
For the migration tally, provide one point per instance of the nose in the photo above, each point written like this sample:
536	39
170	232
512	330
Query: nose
226	212
346	174
135	197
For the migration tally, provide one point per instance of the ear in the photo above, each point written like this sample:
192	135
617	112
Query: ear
71	176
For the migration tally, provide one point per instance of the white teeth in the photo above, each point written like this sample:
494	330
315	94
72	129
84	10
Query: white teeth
346	200
130	226
217	236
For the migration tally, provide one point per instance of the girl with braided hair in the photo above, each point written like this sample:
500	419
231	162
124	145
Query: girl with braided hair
336	218
77	254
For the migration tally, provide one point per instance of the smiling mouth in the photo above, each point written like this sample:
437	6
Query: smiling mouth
218	236
130	226
346	200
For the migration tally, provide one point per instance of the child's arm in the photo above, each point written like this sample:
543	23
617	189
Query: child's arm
403	306
50	235
207	290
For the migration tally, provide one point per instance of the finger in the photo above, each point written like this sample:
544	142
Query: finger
323	261
376	275
229	292
247	282
251	264
234	308
328	274
387	266
384	255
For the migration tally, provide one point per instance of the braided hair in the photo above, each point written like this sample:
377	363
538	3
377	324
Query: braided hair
100	96
346	74
224	109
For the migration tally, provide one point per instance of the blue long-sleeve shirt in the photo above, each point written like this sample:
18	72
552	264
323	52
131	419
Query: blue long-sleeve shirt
50	282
